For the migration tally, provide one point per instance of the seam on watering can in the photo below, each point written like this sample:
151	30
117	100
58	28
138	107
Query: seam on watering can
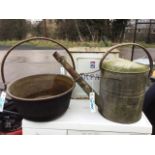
126	72
129	95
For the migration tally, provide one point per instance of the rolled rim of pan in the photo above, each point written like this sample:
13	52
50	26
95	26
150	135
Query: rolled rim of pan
43	98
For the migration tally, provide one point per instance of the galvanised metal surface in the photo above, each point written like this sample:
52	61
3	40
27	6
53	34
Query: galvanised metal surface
122	94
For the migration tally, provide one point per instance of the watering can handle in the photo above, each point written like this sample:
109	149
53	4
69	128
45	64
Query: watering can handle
24	41
127	44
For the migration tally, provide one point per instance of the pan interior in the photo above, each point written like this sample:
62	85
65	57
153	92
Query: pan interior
40	86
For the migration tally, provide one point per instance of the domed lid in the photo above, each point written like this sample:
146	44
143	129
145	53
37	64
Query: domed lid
124	66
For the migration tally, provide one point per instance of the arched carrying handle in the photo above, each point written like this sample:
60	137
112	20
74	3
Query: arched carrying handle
24	41
127	44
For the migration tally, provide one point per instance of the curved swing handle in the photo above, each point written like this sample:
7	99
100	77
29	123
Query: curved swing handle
127	44
24	41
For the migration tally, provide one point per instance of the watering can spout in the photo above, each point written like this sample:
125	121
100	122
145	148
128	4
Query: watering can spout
82	83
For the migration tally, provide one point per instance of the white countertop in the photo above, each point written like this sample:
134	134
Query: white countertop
79	117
